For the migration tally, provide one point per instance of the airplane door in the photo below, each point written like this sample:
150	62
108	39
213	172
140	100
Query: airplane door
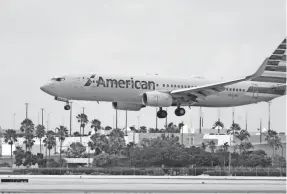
255	91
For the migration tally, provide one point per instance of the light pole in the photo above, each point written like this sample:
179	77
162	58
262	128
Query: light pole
199	120
269	112
116	118
232	115
42	116
26	110
126	123
246	120
70	118
166	121
139	121
155	119
14	126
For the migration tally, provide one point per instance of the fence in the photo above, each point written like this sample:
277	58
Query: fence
156	171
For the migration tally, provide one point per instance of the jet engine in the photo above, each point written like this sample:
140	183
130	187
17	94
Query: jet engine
157	99
126	106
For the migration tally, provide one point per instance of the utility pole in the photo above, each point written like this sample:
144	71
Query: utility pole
42	116
166	121
269	125
126	123
218	114
70	118
26	110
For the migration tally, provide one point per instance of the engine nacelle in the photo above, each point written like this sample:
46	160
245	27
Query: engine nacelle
126	106
157	99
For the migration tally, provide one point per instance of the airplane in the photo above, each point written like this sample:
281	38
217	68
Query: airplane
132	93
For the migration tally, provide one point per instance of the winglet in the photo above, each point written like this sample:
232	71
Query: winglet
260	70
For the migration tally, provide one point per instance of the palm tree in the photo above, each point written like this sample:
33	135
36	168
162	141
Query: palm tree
219	125
225	146
245	146
242	135
83	120
203	146
10	138
40	133
27	127
96	125
50	141
273	140
234	129
211	146
62	132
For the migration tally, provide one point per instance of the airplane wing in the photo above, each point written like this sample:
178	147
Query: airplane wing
210	89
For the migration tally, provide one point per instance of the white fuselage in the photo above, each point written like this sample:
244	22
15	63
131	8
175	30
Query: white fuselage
129	89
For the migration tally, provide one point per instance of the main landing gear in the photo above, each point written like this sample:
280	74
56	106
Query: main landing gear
179	112
163	114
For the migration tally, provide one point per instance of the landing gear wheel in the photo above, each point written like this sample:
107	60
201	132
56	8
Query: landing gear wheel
162	114
67	107
179	112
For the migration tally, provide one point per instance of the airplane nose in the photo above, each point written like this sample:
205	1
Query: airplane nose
44	88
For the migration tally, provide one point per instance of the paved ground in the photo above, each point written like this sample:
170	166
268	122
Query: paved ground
116	184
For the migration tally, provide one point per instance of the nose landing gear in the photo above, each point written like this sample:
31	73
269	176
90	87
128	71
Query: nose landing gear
67	107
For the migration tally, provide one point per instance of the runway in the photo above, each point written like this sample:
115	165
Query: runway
143	184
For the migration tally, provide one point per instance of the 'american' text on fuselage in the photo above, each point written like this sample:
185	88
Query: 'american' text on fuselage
113	83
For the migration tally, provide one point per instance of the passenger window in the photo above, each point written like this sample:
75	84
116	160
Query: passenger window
156	85
178	86
163	85
236	90
167	85
181	86
233	89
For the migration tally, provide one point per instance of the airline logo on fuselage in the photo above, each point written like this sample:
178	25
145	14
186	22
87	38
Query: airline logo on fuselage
131	83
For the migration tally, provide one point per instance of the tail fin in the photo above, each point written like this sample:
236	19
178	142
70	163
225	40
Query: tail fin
275	71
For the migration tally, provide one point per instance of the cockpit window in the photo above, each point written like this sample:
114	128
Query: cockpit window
58	79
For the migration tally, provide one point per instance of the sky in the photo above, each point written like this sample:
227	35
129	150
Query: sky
43	39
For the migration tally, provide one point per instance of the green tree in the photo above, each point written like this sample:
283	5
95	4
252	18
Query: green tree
50	141
19	155
76	150
218	125
27	127
243	136
99	143
143	129
10	137
83	120
108	128
116	141
40	133
96	125
62	133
